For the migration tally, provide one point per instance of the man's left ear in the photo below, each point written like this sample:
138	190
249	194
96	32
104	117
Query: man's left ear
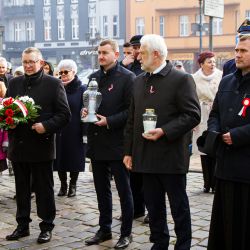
42	62
117	54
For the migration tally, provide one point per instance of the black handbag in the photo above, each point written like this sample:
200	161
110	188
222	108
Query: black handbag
208	142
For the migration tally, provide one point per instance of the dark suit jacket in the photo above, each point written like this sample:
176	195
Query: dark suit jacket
106	143
173	96
26	145
233	162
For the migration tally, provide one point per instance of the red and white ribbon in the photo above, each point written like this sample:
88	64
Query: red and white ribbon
245	103
22	107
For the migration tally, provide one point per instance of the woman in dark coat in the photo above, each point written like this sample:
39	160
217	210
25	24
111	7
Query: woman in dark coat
70	151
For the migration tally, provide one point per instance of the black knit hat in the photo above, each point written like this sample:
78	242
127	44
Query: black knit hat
245	27
135	40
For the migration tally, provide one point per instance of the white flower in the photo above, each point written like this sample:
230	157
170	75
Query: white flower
26	99
1	106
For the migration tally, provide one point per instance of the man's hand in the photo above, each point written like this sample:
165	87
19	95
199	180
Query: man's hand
84	112
154	134
127	161
227	138
127	60
39	128
102	121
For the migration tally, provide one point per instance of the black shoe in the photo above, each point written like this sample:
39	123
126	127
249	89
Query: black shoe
146	219
62	191
99	237
44	237
123	242
158	247
136	216
72	190
18	233
206	190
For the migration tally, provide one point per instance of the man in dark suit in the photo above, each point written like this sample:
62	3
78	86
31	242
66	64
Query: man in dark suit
31	145
230	116
105	143
162	154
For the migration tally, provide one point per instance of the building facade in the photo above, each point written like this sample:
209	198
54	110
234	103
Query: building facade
62	29
177	22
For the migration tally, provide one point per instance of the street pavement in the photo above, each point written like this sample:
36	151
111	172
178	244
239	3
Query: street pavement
77	217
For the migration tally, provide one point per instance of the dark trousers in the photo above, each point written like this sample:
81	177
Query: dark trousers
208	168
43	183
155	188
136	183
101	174
63	177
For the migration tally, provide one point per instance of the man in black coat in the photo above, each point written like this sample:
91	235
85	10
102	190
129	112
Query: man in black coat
32	147
162	154
105	143
230	116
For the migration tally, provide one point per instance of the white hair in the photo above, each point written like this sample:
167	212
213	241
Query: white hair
155	43
4	61
67	64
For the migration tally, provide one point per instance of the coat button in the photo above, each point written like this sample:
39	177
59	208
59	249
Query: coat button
230	109
95	133
29	87
236	92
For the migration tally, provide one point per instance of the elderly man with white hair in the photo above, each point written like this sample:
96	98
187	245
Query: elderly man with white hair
4	76
162	154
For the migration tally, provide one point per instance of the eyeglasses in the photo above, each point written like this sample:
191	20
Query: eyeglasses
31	63
65	72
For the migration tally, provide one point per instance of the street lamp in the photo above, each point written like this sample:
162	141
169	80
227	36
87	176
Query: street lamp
200	24
93	41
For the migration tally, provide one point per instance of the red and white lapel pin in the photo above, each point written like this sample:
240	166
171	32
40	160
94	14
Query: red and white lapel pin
110	87
152	89
245	103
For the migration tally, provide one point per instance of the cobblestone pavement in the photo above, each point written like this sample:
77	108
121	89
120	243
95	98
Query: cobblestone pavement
77	217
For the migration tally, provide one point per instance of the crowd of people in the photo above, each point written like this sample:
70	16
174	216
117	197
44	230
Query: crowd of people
145	166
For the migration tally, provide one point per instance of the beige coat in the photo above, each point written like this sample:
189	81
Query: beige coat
206	87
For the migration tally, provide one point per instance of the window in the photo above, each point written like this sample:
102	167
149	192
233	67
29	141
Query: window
74	1
217	26
105	26
139	25
184	22
17	31
29	2
60	1
60	23
16	3
75	28
162	26
248	14
92	26
46	2
47	30
197	19
115	26
29	31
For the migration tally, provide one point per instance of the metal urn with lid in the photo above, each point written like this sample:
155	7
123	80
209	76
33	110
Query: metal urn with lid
149	120
92	100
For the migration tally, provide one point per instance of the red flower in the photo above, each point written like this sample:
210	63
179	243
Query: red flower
8	101
9	121
9	112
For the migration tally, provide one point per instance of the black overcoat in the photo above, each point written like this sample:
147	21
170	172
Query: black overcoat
173	96
233	162
26	145
106	143
70	149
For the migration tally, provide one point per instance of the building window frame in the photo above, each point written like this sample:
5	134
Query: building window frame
162	25
46	2
17	31
60	29
115	26
105	27
140	25
29	31
47	29
217	26
184	25
75	28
